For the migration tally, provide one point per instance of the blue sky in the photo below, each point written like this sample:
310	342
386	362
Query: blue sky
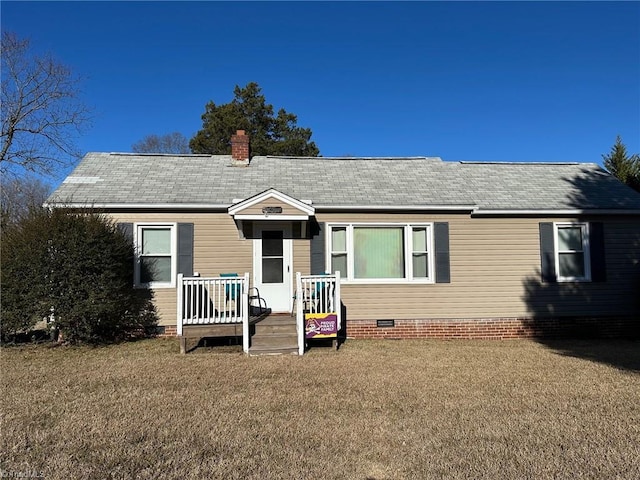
499	81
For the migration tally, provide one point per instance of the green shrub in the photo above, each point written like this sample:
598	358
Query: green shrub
79	264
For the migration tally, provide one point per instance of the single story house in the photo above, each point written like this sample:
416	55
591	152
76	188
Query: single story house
416	247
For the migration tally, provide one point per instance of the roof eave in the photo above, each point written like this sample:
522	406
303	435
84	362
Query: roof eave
553	212
139	206
417	208
474	210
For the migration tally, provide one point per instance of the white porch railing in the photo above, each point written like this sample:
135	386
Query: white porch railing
212	301
316	294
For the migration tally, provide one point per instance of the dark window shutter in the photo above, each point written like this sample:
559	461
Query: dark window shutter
547	253
317	251
127	229
597	252
185	249
441	236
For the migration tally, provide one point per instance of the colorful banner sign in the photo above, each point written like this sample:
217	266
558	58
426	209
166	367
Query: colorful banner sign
321	325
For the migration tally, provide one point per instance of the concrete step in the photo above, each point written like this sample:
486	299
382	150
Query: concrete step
275	340
255	351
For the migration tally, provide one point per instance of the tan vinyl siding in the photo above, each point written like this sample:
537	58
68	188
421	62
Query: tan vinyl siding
495	268
301	257
217	249
495	272
271	202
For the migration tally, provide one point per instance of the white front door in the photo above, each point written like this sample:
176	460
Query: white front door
272	263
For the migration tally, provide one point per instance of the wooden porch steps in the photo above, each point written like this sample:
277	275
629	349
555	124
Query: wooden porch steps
275	335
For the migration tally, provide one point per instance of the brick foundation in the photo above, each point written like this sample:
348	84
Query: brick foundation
487	328
168	331
497	328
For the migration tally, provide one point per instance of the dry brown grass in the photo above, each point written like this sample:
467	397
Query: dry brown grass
373	410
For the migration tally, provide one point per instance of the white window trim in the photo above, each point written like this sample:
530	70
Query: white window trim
408	260
586	247
137	237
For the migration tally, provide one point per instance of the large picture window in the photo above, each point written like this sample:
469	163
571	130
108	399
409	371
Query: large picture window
378	252
572	251
156	249
372	252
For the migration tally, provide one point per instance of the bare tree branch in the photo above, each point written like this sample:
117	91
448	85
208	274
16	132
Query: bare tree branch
170	143
20	195
42	114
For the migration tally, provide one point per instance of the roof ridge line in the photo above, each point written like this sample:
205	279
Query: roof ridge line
133	154
349	158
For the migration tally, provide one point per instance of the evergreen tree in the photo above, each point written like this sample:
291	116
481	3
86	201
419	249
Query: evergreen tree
623	166
268	135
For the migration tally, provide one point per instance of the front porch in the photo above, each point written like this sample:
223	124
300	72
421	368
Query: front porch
230	307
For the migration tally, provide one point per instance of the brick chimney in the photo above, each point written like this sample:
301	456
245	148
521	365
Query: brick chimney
240	148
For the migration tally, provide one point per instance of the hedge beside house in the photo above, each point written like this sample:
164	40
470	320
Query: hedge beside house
81	266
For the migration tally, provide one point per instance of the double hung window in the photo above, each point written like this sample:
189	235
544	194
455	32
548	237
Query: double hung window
156	250
572	251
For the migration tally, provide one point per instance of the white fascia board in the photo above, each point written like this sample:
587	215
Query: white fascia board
272	193
140	206
275	216
568	212
454	208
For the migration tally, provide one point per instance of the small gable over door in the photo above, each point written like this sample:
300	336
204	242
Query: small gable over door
271	205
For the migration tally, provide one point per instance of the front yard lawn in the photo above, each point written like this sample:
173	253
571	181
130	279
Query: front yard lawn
372	410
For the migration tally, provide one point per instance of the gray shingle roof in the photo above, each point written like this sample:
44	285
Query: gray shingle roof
133	179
